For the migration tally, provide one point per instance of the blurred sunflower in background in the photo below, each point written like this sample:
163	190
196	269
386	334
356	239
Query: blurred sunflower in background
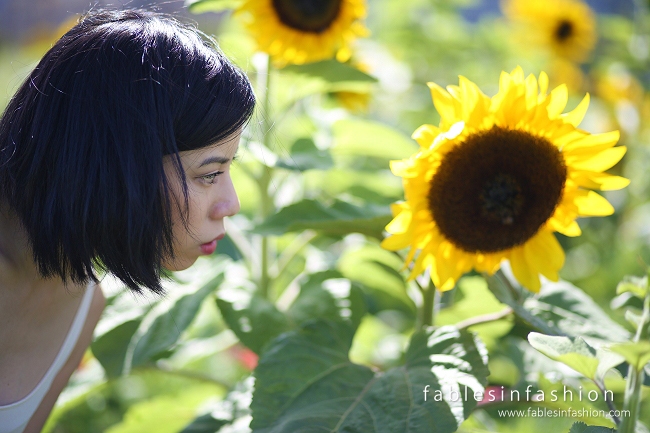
497	178
304	31
566	27
359	100
356	102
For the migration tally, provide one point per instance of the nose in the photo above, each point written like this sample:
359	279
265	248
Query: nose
227	202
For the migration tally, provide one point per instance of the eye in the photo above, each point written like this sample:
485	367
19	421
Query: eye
211	178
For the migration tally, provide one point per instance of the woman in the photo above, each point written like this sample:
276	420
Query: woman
114	156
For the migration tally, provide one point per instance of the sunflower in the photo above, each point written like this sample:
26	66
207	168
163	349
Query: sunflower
302	31
497	178
357	100
567	27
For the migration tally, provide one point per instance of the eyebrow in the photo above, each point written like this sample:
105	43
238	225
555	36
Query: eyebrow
214	160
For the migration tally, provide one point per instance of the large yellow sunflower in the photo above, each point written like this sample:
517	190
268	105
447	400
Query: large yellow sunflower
302	31
567	27
497	178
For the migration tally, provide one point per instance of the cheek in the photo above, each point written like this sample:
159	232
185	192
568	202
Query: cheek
188	221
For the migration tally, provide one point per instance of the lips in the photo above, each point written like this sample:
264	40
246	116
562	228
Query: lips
210	247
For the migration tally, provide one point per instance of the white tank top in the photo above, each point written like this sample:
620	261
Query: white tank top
15	416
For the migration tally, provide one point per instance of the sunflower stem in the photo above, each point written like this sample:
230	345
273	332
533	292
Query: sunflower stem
485	318
429	307
609	402
505	293
264	182
633	386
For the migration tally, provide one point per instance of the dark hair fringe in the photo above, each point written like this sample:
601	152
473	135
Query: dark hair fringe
83	139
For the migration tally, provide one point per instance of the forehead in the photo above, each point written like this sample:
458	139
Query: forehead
224	149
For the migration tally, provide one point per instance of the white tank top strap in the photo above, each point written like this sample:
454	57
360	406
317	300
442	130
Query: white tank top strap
15	416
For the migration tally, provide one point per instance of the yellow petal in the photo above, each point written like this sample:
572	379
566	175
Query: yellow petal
409	258
504	81
592	204
400	224
448	284
517	74
424	261
470	92
451	264
570	136
489	263
543	83
544	255
425	135
403	168
558	99
442	100
602	181
397	208
592	143
572	229
531	92
396	242
575	116
522	271
600	162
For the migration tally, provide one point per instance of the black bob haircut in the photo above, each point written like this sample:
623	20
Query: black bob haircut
83	139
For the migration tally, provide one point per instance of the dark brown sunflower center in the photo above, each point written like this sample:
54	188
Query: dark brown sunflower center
313	16
564	30
501	199
496	189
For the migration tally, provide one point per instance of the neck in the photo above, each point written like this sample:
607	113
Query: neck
16	265
23	291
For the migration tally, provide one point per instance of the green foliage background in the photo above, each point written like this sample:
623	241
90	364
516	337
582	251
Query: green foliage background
325	329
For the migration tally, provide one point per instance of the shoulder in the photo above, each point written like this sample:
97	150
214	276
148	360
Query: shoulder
95	309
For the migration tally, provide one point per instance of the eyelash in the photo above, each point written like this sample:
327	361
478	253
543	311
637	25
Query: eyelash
211	178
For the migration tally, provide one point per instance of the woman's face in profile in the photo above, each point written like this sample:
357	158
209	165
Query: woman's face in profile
211	198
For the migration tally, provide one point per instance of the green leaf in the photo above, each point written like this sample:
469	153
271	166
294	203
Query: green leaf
371	196
457	358
633	318
163	326
626	299
366	138
254	319
477	300
338	181
233	411
120	321
163	414
580	427
636	354
110	349
331	71
338	219
306	156
227	247
505	295
559	396
306	382
204	424
377	270
635	285
577	354
571	310
324	295
201	6
327	295
294	82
